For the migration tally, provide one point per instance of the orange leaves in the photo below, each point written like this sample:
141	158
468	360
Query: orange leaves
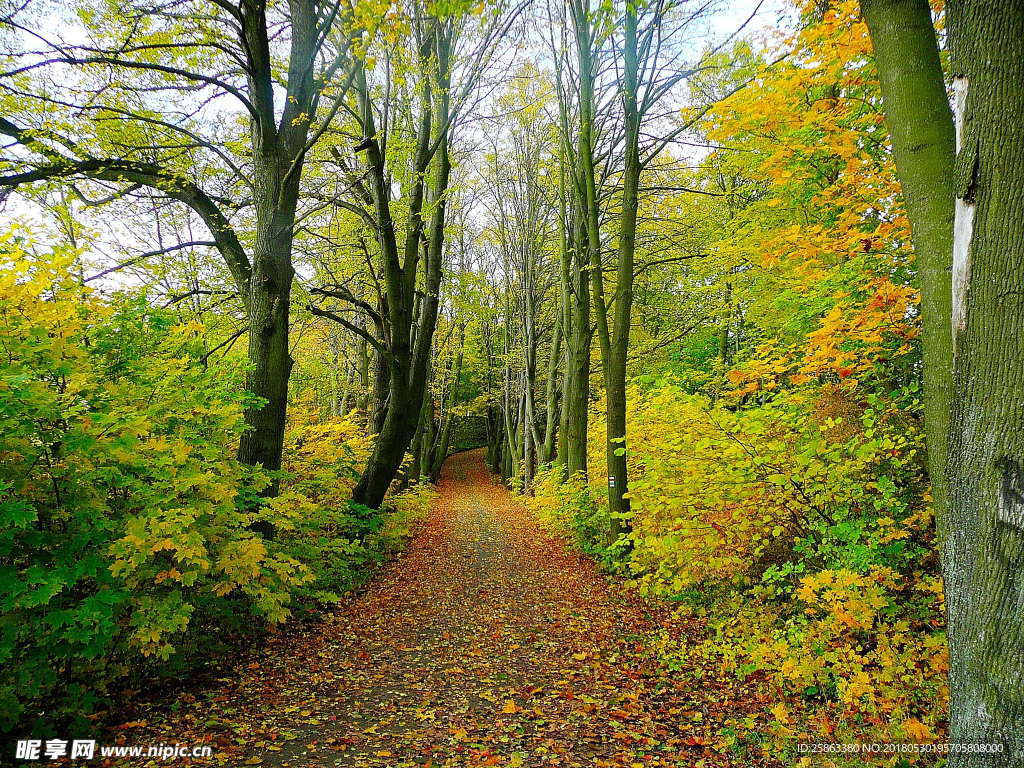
852	600
856	334
487	643
829	233
173	574
917	730
737	376
871	676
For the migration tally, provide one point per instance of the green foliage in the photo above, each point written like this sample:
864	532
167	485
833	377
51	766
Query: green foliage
126	524
570	507
118	503
339	540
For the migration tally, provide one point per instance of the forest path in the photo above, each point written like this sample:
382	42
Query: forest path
486	643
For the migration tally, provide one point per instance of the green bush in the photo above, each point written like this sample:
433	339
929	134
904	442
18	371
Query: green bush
120	529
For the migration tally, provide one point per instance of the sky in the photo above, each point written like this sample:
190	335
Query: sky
735	12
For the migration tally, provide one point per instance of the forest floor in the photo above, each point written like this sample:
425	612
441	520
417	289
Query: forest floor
486	643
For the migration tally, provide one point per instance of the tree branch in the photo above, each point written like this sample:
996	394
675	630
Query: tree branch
352	327
147	255
145	174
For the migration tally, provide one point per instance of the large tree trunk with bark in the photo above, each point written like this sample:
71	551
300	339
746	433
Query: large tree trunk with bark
577	362
984	550
278	155
270	362
408	348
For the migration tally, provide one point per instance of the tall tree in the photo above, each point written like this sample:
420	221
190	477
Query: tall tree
574	84
518	199
646	68
221	50
984	550
450	55
406	347
920	123
614	335
977	318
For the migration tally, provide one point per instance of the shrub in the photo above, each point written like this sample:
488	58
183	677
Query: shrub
336	538
569	508
797	527
118	492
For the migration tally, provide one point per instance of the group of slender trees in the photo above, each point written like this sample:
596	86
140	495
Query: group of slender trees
612	70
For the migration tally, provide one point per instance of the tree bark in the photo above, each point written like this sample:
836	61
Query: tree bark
547	449
270	290
577	362
984	550
278	154
618	347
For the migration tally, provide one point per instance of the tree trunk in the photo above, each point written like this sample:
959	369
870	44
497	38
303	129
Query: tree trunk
408	356
443	439
364	376
270	361
575	283
566	316
493	441
529	435
618	348
577	364
511	443
381	374
278	155
547	448
984	550
723	344
921	126
421	443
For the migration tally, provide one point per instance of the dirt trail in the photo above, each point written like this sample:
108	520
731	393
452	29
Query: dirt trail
486	643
